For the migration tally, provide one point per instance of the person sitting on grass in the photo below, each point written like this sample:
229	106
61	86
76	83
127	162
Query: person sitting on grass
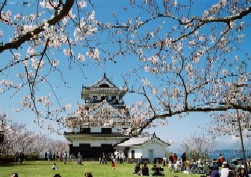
145	170
14	175
88	175
137	169
157	170
54	167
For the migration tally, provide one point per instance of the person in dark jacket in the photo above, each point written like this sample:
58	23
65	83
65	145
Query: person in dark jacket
145	170
215	172
137	169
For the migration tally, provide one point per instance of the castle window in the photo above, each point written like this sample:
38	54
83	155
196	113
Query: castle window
106	130
104	86
85	130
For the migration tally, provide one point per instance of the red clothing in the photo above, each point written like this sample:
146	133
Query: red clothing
175	158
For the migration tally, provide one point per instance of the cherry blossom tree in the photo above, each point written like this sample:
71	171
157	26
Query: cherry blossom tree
198	146
198	63
18	139
30	42
191	57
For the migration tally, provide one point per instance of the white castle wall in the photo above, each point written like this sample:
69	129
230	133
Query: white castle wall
149	150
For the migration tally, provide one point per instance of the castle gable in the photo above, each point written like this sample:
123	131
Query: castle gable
104	83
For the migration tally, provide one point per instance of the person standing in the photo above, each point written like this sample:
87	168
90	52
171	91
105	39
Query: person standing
21	157
79	158
120	158
175	158
221	159
17	157
65	157
183	161
113	165
170	163
45	156
100	159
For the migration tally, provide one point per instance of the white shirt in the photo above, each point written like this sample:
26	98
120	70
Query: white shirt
224	172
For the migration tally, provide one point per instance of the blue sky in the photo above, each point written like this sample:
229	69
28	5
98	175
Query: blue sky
177	129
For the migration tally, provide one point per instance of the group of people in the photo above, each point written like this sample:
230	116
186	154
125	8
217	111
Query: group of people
116	157
103	158
227	171
219	167
19	157
62	156
144	170
178	164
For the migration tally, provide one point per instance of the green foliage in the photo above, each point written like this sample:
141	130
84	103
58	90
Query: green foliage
72	169
31	157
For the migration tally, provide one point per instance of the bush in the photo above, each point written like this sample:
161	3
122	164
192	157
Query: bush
6	159
31	157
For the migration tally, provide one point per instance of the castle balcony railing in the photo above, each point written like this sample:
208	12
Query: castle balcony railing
104	88
97	134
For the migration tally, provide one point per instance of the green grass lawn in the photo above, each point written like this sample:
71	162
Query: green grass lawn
72	169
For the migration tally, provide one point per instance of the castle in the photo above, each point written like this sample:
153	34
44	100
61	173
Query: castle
101	122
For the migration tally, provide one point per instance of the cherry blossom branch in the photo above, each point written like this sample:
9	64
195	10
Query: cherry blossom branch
188	109
39	63
18	41
210	19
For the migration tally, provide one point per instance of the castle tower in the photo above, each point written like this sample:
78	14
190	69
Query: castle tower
101	122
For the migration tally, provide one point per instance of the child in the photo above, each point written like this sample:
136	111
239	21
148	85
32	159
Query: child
113	165
54	167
